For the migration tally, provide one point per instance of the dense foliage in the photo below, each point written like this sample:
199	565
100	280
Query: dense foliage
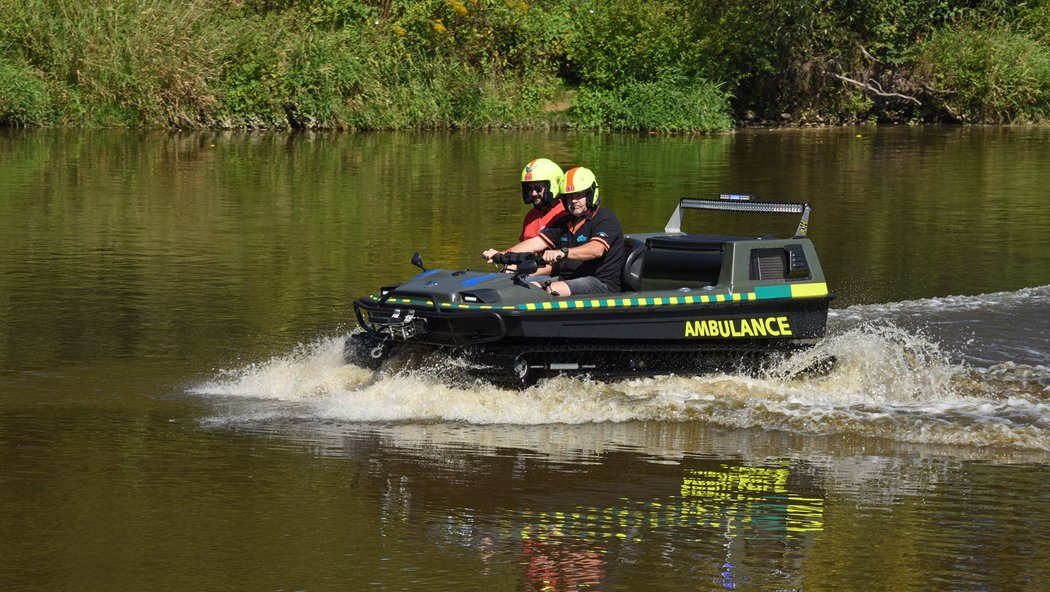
672	65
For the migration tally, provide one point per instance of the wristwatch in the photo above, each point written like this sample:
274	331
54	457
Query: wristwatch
565	252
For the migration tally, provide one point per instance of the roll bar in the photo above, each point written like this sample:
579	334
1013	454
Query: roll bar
740	203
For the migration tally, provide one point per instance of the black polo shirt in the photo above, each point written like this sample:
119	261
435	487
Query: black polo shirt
599	225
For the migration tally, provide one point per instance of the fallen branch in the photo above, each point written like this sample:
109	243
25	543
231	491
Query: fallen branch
874	88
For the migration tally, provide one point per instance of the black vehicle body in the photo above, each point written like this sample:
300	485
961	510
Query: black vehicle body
692	303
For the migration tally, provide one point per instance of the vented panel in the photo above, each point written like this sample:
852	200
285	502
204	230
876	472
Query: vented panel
768	264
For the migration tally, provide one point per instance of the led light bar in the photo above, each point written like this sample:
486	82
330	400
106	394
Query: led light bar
740	203
769	207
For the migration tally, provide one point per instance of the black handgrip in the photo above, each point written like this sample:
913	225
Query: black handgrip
515	258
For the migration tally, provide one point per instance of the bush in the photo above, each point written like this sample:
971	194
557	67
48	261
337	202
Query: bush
23	97
1036	23
343	64
613	43
121	62
671	103
989	75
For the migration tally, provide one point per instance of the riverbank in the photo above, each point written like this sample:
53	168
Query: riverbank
662	65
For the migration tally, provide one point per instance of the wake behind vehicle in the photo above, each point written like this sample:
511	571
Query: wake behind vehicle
693	303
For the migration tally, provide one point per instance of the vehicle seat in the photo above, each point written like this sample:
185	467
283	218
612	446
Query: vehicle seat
681	262
632	266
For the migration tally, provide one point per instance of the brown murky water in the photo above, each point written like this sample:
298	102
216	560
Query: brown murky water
175	413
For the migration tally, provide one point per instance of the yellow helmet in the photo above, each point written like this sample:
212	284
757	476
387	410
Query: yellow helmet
544	172
580	180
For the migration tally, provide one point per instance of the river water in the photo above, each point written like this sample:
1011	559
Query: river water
175	413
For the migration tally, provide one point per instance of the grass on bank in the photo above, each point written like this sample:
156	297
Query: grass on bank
648	65
990	74
209	63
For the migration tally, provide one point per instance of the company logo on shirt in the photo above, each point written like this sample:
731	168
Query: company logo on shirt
581	239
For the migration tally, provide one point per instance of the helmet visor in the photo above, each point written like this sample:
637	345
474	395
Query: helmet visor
530	190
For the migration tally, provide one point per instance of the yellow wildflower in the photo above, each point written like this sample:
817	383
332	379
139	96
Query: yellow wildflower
458	7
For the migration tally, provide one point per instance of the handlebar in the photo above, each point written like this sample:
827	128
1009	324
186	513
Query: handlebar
515	258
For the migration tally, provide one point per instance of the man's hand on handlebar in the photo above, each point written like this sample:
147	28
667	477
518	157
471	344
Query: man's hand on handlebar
551	256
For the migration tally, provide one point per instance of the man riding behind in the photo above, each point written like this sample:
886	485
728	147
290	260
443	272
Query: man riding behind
540	184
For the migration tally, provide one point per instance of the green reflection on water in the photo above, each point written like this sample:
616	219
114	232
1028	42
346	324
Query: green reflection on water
183	245
130	260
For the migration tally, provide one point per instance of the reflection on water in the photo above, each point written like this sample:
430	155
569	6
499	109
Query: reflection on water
224	246
175	413
575	526
716	510
608	505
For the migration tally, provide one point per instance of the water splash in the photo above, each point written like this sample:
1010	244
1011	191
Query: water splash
875	362
887	382
310	371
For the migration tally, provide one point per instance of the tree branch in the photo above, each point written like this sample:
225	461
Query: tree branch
874	88
864	52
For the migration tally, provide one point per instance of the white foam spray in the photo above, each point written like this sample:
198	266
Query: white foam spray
886	382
